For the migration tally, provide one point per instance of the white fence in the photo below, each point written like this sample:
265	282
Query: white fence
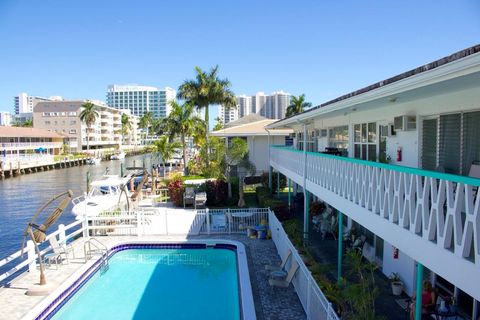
313	300
145	221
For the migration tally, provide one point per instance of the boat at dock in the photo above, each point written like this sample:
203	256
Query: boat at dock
94	161
118	156
111	193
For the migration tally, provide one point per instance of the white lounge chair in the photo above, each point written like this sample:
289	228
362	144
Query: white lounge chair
286	282
189	196
282	265
58	250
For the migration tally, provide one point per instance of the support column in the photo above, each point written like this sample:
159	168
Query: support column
340	246
289	194
418	290
278	184
270	178
306	208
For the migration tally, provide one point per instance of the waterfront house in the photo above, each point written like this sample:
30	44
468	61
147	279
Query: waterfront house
252	129
399	159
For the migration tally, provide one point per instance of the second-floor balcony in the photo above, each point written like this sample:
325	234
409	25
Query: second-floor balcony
433	217
29	145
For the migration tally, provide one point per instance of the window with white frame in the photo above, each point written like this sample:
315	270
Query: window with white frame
365	141
338	137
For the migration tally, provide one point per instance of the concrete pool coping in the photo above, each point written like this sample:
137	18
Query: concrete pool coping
46	308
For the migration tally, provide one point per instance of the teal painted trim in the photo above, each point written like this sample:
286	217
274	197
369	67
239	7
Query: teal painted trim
278	184
270	178
306	214
289	192
421	172
340	246
419	290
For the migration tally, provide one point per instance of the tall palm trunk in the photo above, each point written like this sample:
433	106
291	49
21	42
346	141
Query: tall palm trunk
88	138
207	158
185	171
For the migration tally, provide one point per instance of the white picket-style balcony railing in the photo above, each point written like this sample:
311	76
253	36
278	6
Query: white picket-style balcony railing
29	145
432	217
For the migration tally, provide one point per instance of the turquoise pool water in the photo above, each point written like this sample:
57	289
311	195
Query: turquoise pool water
160	284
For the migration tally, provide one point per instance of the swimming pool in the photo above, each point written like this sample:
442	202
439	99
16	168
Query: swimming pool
160	281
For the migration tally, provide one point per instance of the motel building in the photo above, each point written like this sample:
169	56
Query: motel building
28	145
400	160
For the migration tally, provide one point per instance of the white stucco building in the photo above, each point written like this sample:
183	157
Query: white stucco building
252	129
425	203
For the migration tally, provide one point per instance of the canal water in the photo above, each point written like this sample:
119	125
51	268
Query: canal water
20	197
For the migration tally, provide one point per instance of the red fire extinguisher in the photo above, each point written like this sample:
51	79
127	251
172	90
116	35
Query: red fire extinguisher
399	154
395	253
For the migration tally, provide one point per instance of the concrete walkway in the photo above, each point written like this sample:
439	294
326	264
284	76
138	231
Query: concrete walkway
269	303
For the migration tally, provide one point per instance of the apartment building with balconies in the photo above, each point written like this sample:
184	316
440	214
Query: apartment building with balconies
63	117
400	161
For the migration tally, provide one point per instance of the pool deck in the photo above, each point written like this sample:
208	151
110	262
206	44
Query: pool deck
270	303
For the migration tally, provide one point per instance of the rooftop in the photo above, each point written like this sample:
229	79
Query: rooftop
251	125
402	76
27	132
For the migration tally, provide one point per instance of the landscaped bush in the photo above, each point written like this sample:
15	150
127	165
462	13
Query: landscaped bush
283	181
217	192
176	190
316	208
266	200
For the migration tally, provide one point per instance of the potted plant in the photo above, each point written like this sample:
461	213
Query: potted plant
397	284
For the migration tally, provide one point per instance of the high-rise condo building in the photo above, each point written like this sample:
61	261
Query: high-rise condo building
141	99
23	103
244	104
277	104
227	114
259	101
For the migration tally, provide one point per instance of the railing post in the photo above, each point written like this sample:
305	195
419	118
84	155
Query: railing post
61	235
340	246
166	221
278	184
418	299
309	290
139	223
85	227
32	265
289	194
270	178
207	216
228	221
306	214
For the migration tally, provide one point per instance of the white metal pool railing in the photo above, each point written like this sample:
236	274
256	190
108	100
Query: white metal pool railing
147	221
314	302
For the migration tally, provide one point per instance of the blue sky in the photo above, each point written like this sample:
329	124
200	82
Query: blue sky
321	48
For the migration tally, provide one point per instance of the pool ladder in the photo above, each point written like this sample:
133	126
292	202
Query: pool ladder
99	248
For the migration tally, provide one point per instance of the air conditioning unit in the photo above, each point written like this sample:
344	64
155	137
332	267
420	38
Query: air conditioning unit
405	123
387	131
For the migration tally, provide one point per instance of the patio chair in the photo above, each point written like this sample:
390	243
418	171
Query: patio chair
280	267
189	196
219	222
58	250
284	283
200	199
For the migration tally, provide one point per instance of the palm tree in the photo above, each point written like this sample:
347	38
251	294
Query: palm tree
237	155
89	115
166	149
206	89
298	105
181	121
146	121
126	125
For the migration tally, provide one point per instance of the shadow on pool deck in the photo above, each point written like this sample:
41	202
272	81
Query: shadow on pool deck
270	303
